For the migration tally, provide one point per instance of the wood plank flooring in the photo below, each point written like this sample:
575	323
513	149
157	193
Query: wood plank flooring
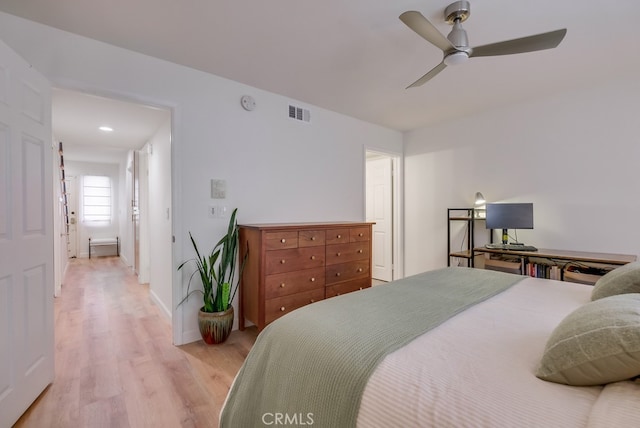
116	366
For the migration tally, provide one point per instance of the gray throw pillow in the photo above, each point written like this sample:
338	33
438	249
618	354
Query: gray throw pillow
598	343
625	279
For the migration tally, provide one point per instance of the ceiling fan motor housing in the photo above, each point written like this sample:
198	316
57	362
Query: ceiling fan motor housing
456	13
458	37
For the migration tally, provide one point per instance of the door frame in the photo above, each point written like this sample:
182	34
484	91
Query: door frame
397	197
176	181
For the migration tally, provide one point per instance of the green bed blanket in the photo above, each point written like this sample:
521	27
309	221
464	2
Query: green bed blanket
311	366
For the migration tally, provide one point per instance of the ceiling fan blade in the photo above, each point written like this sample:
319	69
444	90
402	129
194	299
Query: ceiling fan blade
421	25
430	75
525	44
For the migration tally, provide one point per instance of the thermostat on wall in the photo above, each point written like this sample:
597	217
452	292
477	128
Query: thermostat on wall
218	189
248	103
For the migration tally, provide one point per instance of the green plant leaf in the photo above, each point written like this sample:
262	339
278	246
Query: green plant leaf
217	270
226	288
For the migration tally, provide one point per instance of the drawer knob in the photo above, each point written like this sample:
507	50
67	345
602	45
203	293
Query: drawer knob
282	285
359	269
359	251
313	238
282	261
282	309
312	280
337	273
360	234
283	240
313	257
339	236
338	254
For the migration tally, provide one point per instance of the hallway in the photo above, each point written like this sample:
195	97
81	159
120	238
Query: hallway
114	362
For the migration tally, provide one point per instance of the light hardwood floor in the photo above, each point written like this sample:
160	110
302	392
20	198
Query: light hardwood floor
116	366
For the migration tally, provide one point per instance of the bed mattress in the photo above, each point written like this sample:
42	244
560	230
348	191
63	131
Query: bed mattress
477	369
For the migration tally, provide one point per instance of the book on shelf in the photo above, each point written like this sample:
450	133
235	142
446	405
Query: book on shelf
543	270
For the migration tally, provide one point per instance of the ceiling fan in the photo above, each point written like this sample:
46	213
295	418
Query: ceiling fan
455	47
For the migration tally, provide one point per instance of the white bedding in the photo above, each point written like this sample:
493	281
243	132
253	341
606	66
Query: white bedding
477	369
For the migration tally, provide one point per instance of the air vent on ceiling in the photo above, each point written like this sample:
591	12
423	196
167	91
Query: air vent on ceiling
299	113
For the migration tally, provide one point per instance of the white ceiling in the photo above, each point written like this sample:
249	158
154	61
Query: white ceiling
77	116
355	56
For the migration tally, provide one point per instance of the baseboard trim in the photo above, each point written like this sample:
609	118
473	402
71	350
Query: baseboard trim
155	299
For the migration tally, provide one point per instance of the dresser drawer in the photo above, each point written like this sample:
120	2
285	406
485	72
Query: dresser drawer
359	234
275	308
347	287
280	240
311	238
338	236
283	284
347	271
342	253
281	261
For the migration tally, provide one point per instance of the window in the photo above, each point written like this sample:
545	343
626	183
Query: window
96	199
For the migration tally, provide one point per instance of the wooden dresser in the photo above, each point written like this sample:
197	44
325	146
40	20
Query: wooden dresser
292	265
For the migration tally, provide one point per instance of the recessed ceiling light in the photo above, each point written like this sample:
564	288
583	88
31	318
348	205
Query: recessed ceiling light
106	128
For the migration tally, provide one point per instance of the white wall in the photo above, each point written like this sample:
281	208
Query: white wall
86	230
125	211
144	232
277	169
575	156
159	217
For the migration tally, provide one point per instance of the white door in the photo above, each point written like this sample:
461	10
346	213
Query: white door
26	236
380	211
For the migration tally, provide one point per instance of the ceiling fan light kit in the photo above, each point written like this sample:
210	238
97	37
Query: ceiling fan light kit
455	47
456	58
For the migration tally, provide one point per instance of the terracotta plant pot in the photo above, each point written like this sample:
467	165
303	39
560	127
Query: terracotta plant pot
215	327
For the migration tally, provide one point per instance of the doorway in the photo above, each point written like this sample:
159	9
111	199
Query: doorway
135	129
382	195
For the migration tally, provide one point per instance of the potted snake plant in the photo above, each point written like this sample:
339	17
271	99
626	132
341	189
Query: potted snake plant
217	273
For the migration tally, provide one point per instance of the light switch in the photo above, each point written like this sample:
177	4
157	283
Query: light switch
217	211
218	189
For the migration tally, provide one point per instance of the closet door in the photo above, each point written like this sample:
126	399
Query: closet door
26	236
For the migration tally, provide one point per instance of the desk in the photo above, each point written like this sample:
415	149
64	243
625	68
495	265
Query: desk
579	256
562	259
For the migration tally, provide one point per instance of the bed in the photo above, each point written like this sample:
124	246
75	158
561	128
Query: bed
476	363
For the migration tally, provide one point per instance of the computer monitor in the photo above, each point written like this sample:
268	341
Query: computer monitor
509	216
